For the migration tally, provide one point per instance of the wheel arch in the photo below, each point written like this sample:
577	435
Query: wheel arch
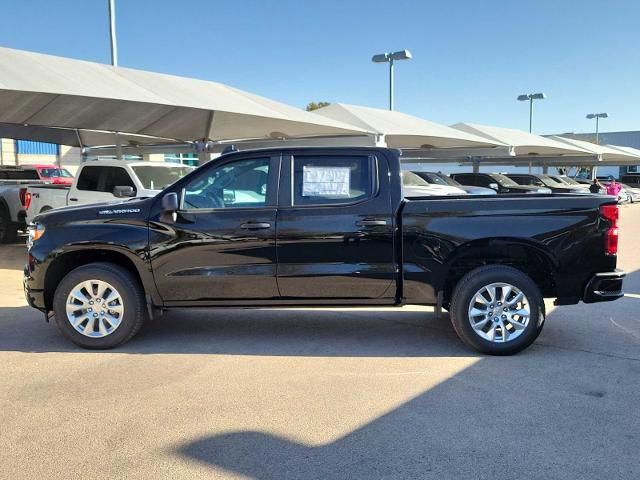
69	260
531	258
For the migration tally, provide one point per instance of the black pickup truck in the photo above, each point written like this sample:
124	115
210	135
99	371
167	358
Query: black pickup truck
321	226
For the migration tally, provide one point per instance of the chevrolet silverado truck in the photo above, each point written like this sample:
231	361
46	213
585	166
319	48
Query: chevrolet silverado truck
321	226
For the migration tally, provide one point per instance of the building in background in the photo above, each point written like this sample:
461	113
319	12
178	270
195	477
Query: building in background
25	152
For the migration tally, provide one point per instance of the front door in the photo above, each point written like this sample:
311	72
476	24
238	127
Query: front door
220	246
335	228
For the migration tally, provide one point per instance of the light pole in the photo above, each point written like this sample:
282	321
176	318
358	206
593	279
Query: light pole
390	58
597	116
531	97
112	33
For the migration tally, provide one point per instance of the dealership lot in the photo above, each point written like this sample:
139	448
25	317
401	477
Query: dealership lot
323	393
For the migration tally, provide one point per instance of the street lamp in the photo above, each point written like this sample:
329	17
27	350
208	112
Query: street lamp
597	116
531	97
390	58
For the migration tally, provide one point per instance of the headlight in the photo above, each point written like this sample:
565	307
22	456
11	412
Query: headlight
34	232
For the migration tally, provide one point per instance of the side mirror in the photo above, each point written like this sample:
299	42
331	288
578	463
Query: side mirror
494	186
122	191
170	202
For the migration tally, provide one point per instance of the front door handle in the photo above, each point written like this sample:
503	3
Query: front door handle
371	223
255	225
73	199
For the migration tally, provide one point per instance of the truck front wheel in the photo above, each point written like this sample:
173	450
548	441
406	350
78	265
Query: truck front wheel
497	310
99	306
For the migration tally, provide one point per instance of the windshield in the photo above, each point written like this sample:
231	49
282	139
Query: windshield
503	180
159	177
410	179
55	173
433	178
568	180
549	181
448	180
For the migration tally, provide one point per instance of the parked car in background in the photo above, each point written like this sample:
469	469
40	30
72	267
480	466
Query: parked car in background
14	182
569	181
633	193
415	186
542	180
631	179
51	173
582	181
442	179
496	181
104	181
12	209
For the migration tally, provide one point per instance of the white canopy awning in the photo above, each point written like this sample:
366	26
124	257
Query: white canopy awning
524	143
48	91
606	153
401	130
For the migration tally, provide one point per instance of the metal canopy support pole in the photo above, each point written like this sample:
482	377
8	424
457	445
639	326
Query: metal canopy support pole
545	169
391	84
118	147
476	165
203	157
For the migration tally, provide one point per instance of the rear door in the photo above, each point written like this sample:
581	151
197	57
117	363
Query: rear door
335	228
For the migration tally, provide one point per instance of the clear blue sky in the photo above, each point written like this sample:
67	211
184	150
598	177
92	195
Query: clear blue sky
471	58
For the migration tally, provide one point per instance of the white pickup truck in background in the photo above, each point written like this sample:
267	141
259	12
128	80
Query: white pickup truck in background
105	181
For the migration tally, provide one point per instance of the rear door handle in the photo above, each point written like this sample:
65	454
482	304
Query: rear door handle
255	225
73	199
371	223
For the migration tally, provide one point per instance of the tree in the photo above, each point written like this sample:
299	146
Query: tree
315	106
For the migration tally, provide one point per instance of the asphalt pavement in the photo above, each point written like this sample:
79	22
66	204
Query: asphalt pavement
323	393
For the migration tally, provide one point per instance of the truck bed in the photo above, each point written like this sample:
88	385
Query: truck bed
557	234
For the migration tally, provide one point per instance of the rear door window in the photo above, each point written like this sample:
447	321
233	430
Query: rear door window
333	180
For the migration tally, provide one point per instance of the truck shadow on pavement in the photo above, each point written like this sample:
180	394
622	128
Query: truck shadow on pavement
385	333
500	418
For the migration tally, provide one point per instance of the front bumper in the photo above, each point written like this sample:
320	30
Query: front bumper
604	287
35	297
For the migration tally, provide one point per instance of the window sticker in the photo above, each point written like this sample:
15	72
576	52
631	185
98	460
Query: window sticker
325	181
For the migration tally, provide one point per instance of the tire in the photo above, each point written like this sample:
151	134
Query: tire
514	282
8	229
106	331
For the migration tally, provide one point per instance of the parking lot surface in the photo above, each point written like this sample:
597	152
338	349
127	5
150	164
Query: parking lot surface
323	393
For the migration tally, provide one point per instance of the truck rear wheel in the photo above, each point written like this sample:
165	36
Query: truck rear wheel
99	306
497	310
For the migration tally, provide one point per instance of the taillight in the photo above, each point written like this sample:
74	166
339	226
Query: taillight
611	213
27	200
23	196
